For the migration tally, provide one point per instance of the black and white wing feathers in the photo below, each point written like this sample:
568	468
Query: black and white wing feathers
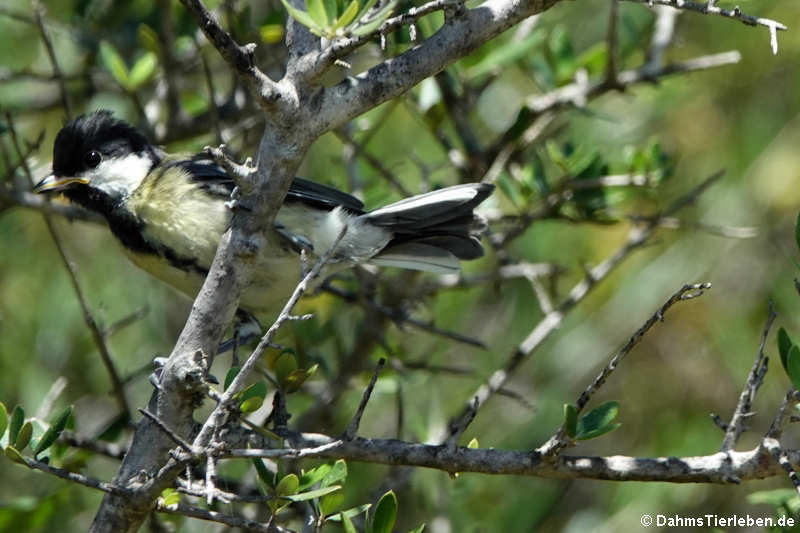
213	178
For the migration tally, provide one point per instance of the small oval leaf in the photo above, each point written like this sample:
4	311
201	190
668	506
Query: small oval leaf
570	419
234	370
14	455
287	486
599	421
793	366
330	503
114	63
253	397
385	513
24	436
142	70
15	424
54	431
337	474
284	366
171	497
3	419
310	495
784	345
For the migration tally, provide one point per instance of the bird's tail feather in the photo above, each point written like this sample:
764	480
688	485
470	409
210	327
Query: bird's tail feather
433	231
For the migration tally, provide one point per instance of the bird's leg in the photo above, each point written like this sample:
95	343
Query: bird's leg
246	328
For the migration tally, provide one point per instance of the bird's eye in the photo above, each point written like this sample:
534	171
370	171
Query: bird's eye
92	158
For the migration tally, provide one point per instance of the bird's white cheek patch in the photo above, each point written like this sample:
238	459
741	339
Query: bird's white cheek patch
119	177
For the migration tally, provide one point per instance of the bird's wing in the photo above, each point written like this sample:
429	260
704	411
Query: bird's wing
215	180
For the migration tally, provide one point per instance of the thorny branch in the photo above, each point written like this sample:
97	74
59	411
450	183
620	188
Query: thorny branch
282	148
638	237
688	292
754	380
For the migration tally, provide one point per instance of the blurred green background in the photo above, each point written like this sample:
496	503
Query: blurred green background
742	118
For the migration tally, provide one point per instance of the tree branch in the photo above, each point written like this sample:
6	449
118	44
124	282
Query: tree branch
461	34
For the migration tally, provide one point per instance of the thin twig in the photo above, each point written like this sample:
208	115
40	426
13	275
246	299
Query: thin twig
240	57
183	509
709	8
74	477
637	237
88	317
360	149
400	317
342	47
39	203
577	93
170	433
113	451
38	13
126	321
687	292
352	427
217	417
754	380
458	429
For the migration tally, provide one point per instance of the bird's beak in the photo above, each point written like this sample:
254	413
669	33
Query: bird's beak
57	183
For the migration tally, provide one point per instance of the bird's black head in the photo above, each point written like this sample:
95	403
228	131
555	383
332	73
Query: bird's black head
99	154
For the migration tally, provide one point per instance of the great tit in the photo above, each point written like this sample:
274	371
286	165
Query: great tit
169	213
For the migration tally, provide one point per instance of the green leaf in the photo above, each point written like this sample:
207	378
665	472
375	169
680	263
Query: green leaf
14	455
338	473
797	231
302	17
114	63
375	22
170	497
287	486
385	514
284	366
570	419
364	8
348	524
3	419
506	54
142	70
314	476
234	370
349	513
598	420
784	345
17	419
510	189
418	529
310	495
148	38
330	503
347	17
473	444
316	10
53	432
271	33
331	12
793	366
253	397
296	378
264	474
24	436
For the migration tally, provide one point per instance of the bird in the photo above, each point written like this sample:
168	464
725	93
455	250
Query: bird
169	212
